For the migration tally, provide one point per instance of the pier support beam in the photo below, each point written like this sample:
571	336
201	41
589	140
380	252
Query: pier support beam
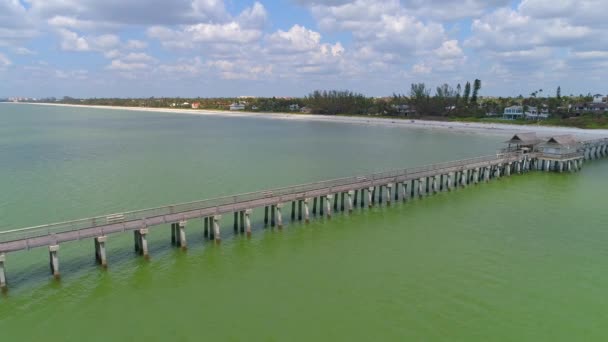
181	236
389	188
247	214
216	228
508	169
100	251
54	260
421	187
404	192
487	174
450	179
328	202
141	241
351	193
370	195
3	285
463	178
306	211
279	215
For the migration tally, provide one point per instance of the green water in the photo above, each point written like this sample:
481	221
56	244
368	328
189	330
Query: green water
522	258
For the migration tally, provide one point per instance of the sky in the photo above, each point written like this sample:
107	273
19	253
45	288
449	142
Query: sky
210	48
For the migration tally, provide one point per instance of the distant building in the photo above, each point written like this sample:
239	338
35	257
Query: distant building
306	110
237	106
294	107
590	107
533	114
598	98
404	109
513	113
254	107
195	105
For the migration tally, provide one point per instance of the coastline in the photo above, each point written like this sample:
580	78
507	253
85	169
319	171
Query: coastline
460	127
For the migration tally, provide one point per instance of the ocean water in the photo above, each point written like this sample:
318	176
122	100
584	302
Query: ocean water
522	258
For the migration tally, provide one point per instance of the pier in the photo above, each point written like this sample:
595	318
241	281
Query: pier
302	203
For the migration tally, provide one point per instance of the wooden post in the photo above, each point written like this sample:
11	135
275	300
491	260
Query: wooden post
389	186
266	215
405	193
329	198
370	195
272	215
350	201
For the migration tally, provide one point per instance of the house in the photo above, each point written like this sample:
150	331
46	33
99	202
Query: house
513	113
404	109
237	106
523	142
598	98
590	107
254	107
306	110
294	107
533	114
195	105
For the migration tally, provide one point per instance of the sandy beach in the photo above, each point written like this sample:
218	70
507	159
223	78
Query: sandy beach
461	127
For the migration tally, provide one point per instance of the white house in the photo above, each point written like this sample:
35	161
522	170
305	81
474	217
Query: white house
513	113
598	98
237	106
533	114
294	107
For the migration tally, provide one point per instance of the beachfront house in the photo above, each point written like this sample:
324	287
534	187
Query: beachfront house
513	113
294	107
598	98
534	114
306	110
237	106
195	105
525	142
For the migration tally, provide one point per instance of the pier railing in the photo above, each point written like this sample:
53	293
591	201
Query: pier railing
75	225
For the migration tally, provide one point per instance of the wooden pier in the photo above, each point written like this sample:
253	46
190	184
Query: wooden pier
309	200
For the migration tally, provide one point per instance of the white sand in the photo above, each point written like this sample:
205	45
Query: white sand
461	127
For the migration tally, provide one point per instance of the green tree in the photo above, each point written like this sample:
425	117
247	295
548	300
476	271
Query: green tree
559	93
476	88
467	93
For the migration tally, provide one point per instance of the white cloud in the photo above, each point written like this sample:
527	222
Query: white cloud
126	66
133	44
70	41
24	51
4	61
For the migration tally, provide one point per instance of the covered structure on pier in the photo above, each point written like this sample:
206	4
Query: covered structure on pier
525	142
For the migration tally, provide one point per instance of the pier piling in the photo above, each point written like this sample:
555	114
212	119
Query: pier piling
100	251
247	213
54	260
3	285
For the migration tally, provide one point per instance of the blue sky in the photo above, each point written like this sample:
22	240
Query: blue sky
124	48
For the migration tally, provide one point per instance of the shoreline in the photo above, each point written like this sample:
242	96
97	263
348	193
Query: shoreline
452	126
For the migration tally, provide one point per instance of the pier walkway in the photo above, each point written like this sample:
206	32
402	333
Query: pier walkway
307	200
